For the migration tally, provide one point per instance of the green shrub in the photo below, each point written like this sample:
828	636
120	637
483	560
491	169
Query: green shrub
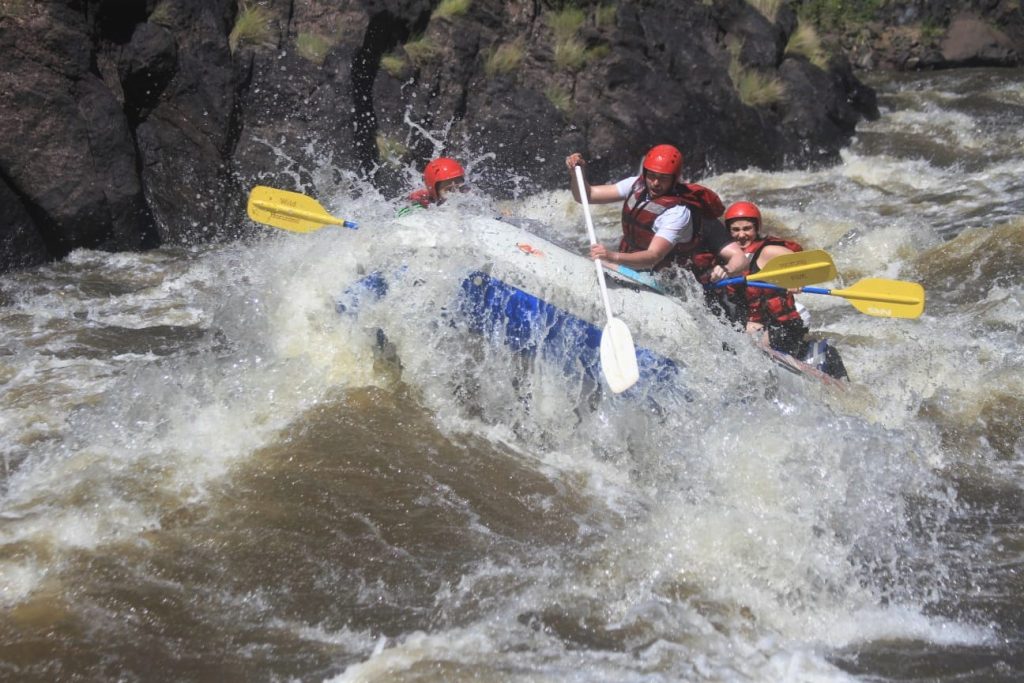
805	41
313	47
505	59
451	8
393	64
252	27
560	98
422	50
566	22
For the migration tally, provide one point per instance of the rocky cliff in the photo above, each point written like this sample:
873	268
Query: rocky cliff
126	124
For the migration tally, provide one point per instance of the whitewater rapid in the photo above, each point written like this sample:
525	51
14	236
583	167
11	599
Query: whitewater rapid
209	473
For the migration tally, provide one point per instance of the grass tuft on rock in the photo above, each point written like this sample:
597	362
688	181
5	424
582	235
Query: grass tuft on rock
566	22
451	8
422	50
252	28
570	54
560	98
394	65
755	89
313	47
759	90
503	60
805	41
769	9
162	14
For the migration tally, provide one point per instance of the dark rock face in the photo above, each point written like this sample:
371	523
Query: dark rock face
20	243
131	123
65	147
184	123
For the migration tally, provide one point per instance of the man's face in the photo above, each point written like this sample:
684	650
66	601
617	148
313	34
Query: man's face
451	185
658	183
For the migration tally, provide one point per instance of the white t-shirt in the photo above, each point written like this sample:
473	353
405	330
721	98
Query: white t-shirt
675	225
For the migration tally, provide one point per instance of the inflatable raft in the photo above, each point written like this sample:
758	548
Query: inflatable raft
535	297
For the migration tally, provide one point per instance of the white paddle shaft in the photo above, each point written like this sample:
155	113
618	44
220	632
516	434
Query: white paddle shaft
593	240
618	354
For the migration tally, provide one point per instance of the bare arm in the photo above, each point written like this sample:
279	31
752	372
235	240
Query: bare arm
596	194
735	262
638	260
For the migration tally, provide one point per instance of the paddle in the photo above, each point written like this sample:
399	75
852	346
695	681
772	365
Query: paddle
791	270
290	211
874	296
618	354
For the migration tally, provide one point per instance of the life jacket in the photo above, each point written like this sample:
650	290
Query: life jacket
768	306
640	210
421	197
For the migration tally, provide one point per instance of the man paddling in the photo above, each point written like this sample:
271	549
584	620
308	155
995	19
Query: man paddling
664	220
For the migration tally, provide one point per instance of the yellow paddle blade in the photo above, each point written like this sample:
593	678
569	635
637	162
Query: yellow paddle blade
291	211
797	269
885	298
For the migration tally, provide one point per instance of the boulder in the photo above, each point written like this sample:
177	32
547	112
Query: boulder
971	41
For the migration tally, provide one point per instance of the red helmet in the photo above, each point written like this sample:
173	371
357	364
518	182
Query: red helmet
664	159
746	210
440	169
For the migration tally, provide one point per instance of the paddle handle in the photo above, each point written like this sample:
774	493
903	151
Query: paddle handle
807	289
593	240
849	294
768	285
